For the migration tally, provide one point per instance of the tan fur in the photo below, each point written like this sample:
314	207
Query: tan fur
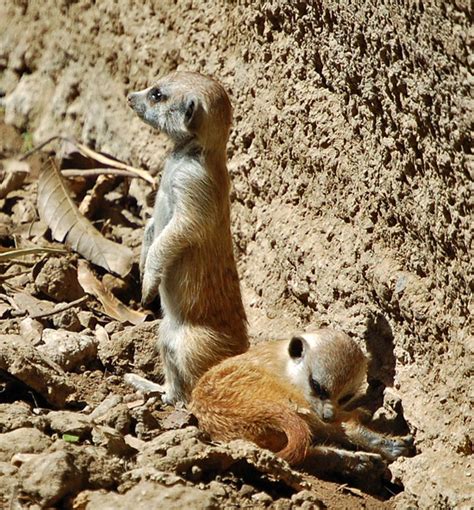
187	251
262	396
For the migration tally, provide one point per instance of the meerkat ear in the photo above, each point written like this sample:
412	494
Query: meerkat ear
190	107
297	347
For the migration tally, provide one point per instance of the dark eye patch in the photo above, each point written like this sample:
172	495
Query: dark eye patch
156	95
347	398
319	390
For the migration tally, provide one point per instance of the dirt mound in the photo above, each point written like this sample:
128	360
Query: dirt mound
351	179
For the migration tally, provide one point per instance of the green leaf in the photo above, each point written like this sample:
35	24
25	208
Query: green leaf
70	438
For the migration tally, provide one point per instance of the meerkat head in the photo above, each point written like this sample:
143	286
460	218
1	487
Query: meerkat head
330	368
186	106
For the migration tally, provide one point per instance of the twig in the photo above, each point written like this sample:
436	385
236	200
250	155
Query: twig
61	308
92	172
41	145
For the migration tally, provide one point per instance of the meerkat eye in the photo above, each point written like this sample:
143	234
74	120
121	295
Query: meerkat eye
344	400
156	95
319	390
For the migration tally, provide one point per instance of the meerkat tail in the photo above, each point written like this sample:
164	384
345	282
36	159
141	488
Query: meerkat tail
297	432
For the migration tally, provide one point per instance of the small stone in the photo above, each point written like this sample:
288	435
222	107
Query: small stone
246	490
113	327
68	422
87	319
105	406
68	320
69	350
307	500
195	473
218	489
58	280
112	441
262	498
31	330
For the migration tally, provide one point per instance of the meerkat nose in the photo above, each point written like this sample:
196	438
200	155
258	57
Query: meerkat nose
328	414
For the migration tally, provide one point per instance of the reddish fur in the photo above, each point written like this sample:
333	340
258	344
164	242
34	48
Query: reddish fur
269	418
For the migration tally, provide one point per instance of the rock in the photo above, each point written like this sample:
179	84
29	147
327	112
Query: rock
8	483
18	414
68	319
27	99
20	359
119	418
105	406
112	441
262	498
31	330
147	495
68	349
49	477
306	500
57	279
22	440
433	480
68	422
87	319
180	450
132	350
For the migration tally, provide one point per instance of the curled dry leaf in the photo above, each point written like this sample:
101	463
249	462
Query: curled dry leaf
68	225
112	306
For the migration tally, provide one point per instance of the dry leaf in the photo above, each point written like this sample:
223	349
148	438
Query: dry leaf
112	306
29	304
68	225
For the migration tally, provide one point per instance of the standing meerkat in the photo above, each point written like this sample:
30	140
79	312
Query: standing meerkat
286	395
187	254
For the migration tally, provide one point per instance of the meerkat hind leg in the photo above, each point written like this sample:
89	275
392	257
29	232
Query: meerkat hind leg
175	383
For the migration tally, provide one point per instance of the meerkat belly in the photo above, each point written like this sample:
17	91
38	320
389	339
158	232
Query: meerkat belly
195	287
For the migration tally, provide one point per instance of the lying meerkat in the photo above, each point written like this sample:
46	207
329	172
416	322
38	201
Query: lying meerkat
187	253
287	395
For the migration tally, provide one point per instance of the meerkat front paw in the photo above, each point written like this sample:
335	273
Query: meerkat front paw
365	462
397	447
150	286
